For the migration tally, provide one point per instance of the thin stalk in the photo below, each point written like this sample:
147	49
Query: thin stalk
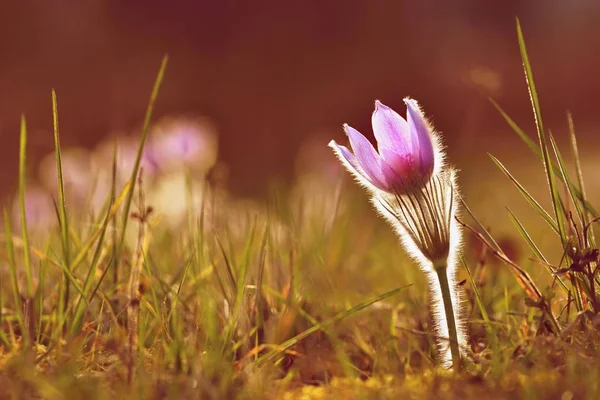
23	210
442	273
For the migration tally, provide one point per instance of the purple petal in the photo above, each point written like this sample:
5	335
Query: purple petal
367	157
420	135
403	164
390	129
392	178
347	154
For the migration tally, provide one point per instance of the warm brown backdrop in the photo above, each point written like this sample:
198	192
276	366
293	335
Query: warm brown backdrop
271	73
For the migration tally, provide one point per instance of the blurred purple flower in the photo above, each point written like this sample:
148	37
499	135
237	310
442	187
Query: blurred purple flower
39	211
183	143
406	157
127	148
76	170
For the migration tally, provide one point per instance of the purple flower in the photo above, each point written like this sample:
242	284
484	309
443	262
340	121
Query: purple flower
415	192
406	157
180	143
127	148
39	211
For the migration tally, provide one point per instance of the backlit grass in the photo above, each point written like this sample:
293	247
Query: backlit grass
305	294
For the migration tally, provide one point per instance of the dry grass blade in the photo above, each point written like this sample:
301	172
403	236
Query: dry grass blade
581	189
322	325
521	276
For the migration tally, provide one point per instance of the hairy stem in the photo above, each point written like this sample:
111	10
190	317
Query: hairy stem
442	273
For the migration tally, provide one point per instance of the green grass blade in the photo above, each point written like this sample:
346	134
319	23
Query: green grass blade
228	292
23	208
322	325
521	275
42	274
533	202
84	251
153	289
4	340
62	208
80	307
240	286
530	143
244	265
61	187
177	294
527	237
12	267
138	158
535	148
581	189
486	234
565	176
258	306
531	86
478	298
115	231
541	136
337	342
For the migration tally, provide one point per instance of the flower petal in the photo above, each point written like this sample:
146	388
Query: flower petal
403	164
421	138
367	157
390	129
350	162
392	178
407	172
346	154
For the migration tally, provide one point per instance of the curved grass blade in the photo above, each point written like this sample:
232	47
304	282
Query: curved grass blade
582	197
521	228
79	308
525	235
542	136
320	326
240	286
61	207
478	298
522	277
534	147
565	176
342	356
84	251
490	239
533	202
23	209
486	238
138	158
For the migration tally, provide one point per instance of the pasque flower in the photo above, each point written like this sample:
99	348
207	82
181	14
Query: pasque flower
181	143
406	156
415	191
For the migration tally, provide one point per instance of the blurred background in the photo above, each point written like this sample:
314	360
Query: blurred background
271	76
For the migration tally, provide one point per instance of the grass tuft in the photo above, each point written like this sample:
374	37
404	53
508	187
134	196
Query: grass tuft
247	299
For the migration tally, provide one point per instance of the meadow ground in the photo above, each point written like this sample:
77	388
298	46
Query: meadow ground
168	287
